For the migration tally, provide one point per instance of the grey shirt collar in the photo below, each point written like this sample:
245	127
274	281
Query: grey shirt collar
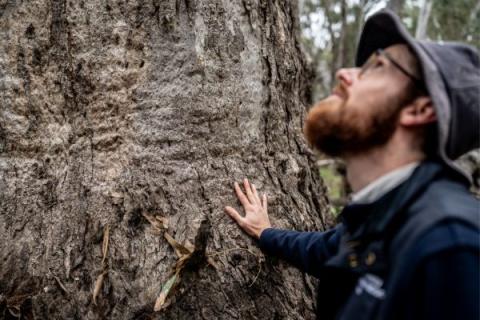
380	186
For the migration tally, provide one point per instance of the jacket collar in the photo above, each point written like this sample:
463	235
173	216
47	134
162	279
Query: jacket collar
372	219
382	185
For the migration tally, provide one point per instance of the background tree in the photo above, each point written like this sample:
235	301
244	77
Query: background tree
396	5
455	20
423	18
123	125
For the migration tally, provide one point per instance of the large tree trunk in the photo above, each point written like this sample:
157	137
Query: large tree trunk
118	117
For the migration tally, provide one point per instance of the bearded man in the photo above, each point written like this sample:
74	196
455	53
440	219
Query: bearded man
407	246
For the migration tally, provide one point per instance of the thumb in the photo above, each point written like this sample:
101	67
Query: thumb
234	214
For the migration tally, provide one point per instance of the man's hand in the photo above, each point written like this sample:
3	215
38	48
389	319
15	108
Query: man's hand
256	216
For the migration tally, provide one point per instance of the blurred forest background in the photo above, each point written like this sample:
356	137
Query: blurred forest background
330	32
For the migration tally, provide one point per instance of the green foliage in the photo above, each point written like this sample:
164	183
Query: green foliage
333	181
335	187
457	20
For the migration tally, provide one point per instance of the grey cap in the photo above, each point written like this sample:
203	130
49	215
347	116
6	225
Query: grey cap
451	72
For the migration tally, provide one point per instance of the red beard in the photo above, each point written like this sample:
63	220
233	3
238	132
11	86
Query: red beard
337	130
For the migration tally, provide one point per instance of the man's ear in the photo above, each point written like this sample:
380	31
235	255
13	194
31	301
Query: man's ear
418	112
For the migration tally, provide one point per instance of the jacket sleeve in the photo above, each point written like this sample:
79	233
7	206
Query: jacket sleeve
305	250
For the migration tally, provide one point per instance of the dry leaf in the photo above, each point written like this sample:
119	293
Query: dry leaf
15	311
163	221
60	284
117	197
181	262
67	262
14	304
189	246
106	236
167	287
158	223
211	262
98	286
179	249
183	252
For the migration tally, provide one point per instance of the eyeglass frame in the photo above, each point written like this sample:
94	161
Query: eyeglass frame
378	52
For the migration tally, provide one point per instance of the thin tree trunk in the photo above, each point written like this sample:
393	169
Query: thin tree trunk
473	22
396	5
123	126
326	4
341	49
474	12
362	9
422	21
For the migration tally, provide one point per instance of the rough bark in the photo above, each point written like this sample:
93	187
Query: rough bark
115	113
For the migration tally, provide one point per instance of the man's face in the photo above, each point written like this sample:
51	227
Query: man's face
362	111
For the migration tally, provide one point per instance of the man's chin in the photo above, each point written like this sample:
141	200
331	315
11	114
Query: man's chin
331	101
335	96
322	119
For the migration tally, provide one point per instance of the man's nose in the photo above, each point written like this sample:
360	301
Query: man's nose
347	75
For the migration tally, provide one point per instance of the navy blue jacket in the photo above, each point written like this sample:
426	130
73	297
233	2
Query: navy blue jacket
412	254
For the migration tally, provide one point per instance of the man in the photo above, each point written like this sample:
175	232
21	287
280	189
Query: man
408	244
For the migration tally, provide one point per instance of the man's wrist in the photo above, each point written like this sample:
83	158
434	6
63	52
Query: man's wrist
261	232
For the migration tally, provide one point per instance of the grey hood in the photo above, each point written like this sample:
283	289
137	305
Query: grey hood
451	72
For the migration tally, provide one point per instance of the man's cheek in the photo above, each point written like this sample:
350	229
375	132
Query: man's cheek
363	104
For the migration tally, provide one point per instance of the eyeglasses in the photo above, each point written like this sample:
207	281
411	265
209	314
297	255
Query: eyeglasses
373	60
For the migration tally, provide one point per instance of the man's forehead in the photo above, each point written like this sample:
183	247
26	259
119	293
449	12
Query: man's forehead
400	52
405	57
398	49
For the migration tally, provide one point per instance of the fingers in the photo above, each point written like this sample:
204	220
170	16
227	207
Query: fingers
248	191
264	202
241	196
234	214
255	194
250	196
